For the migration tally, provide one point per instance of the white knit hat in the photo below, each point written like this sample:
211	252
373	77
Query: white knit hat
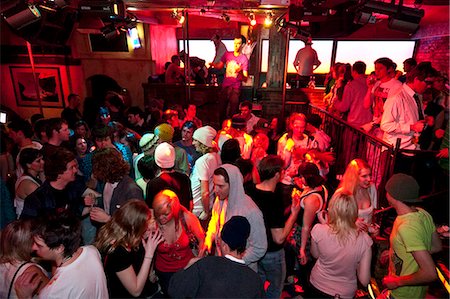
205	135
147	141
165	155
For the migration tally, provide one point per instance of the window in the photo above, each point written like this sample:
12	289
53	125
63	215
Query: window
204	49
369	51
264	55
324	48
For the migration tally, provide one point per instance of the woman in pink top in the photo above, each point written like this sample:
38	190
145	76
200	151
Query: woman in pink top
343	253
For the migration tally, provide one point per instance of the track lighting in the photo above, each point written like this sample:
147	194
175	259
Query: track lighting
252	19
268	21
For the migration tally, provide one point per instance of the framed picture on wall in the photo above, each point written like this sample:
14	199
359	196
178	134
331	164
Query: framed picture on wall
49	86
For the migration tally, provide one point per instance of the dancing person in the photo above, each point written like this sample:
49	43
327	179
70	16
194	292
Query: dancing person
110	168
231	200
32	163
343	253
16	240
128	242
181	231
412	241
357	180
79	271
217	276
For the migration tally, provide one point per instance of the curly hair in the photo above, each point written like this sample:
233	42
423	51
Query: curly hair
109	166
126	227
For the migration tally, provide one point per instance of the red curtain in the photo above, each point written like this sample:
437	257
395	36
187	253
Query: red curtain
163	43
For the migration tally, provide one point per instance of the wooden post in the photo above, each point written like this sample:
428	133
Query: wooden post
36	80
277	52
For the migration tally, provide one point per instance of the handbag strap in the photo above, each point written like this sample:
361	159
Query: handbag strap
14	277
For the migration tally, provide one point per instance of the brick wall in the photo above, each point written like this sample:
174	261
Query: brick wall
433	45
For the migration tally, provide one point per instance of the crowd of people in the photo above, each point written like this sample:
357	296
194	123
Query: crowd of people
160	205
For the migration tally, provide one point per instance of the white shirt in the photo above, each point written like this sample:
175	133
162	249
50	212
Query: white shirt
234	259
400	112
251	122
305	60
107	195
83	278
203	171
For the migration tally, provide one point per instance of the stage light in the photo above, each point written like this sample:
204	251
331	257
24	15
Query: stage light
225	17
110	31
252	19
178	15
403	23
268	21
19	17
362	18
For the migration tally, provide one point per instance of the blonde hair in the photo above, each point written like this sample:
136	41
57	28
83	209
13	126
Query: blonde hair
342	215
350	179
169	197
16	240
126	227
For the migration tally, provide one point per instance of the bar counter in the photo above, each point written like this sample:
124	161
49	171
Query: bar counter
206	98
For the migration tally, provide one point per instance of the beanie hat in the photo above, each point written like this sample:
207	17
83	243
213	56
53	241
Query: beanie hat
147	141
238	122
165	155
235	232
164	132
205	135
403	187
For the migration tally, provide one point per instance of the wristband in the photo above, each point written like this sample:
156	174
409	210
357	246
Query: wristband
148	257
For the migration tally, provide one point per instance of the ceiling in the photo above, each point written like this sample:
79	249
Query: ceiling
436	11
158	12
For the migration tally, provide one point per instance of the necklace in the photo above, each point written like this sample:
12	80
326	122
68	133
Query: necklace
66	259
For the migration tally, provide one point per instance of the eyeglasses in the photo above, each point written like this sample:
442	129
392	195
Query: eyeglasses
429	82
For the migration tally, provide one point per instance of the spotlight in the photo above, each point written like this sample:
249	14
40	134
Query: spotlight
268	21
252	19
210	2
21	16
178	15
110	31
362	18
181	19
403	23
225	17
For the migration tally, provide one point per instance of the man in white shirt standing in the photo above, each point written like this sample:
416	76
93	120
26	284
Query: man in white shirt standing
306	61
403	115
379	89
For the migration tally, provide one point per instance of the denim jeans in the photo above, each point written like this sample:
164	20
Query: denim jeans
272	267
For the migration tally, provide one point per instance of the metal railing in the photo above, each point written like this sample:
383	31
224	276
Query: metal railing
350	143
